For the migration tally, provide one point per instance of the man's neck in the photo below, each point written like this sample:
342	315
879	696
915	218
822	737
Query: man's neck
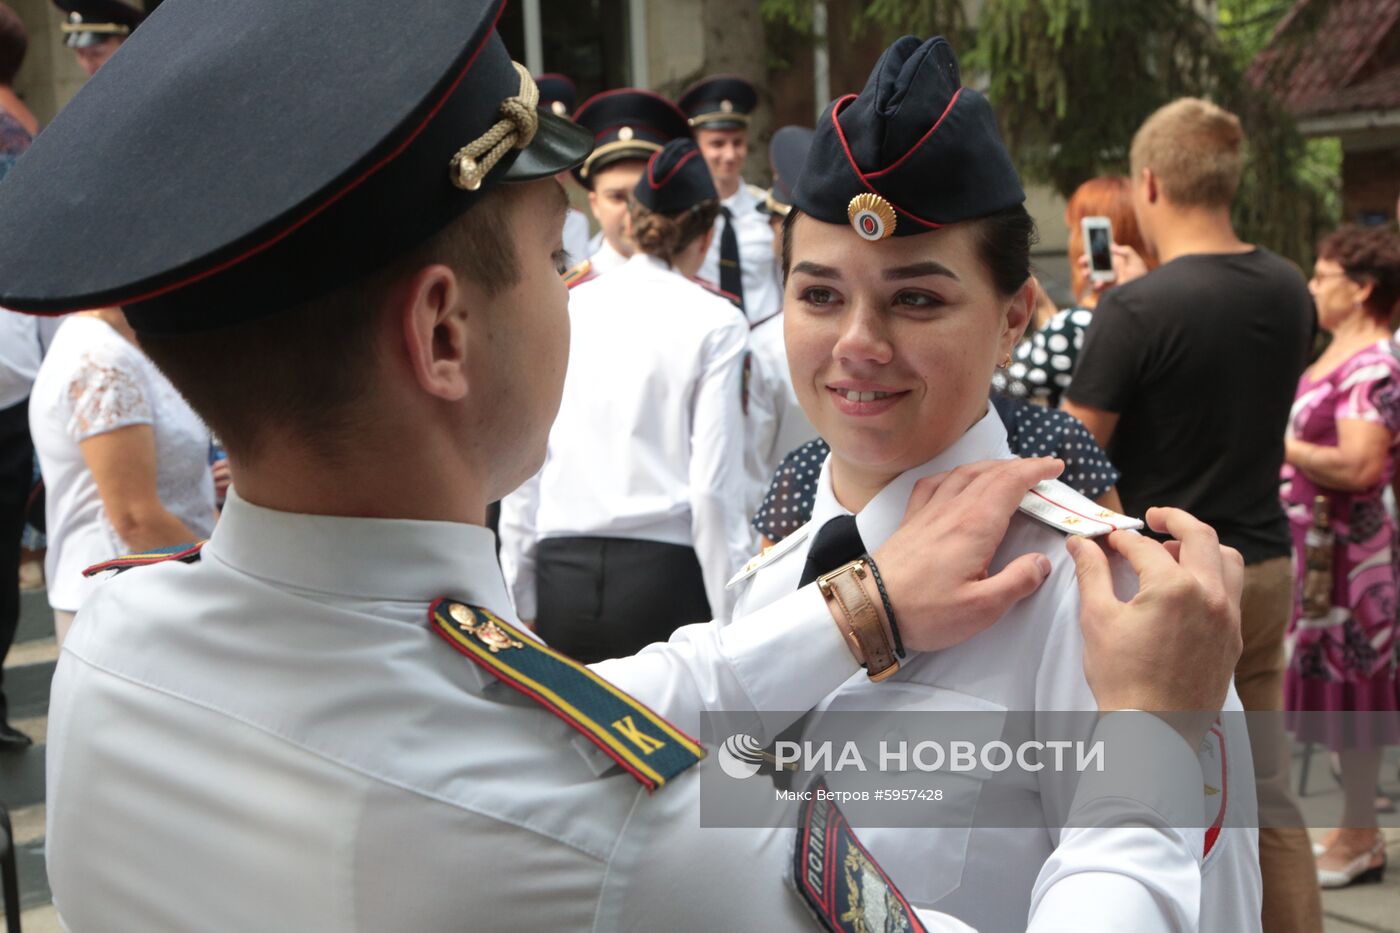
625	250
1184	231
728	187
371	481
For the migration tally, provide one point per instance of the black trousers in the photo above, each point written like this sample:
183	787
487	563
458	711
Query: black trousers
16	478
603	598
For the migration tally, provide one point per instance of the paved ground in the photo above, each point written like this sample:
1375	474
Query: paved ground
1371	908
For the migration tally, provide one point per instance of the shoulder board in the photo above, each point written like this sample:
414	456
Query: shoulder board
1062	508
759	194
184	553
769	554
837	877
646	746
580	273
714	289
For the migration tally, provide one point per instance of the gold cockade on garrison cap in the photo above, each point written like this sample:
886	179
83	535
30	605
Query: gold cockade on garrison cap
872	216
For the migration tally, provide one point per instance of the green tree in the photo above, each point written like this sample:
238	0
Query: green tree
1073	79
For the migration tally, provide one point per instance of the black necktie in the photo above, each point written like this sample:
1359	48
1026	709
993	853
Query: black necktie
731	274
836	544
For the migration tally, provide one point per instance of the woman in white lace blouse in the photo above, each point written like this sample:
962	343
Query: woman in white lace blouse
125	460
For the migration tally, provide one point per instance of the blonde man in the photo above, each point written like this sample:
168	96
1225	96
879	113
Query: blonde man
1186	378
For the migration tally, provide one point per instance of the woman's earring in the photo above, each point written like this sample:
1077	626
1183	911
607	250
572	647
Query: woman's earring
1005	362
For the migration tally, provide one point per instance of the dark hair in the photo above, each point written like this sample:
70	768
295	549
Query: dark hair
1368	254
14	43
665	235
306	372
1004	240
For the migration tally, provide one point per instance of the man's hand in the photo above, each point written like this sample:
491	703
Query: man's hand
1173	647
935	566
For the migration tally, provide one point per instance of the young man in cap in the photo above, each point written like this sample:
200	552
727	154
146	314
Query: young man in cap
309	722
559	96
629	126
95	29
739	260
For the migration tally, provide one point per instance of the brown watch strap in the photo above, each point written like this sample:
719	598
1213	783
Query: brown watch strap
842	588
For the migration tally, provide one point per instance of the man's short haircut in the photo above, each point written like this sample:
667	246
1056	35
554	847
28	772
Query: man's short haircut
307	372
1196	151
14	43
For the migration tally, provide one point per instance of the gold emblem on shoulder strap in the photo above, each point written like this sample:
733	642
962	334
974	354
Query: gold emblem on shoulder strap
491	634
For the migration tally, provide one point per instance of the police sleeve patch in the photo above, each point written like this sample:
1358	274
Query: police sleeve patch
645	746
184	553
839	880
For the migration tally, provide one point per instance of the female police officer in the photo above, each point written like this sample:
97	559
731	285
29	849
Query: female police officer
307	723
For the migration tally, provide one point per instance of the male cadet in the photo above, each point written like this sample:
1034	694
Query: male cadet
95	29
740	258
628	126
777	424
559	96
326	718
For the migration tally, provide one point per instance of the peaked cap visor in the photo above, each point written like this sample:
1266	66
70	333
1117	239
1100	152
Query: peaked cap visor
917	138
229	163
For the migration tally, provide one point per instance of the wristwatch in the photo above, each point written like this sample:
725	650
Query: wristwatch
866	632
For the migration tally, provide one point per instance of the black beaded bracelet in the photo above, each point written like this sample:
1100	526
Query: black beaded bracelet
885	599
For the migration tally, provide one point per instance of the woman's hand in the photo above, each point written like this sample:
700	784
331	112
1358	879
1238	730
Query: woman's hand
1127	266
935	565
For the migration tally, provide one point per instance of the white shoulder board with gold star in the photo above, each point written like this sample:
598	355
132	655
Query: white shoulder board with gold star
769	554
1057	505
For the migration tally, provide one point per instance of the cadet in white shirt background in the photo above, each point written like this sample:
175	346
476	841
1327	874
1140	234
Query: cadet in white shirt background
559	96
740	257
327	718
777	424
629	126
630	530
908	279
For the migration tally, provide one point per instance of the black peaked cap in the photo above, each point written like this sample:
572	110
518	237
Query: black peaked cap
676	179
627	123
787	153
719	102
557	93
229	162
104	19
915	150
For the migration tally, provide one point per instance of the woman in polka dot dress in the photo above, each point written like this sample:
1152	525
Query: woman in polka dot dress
1043	364
1031	431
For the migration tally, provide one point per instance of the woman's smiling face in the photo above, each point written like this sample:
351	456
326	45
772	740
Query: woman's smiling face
892	343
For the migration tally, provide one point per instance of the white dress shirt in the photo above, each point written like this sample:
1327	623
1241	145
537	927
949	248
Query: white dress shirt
777	424
1030	660
272	739
763	294
576	236
649	441
602	255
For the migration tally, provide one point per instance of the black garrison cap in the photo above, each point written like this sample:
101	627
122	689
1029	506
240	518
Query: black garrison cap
721	102
236	158
627	123
787	153
676	179
912	152
89	22
558	94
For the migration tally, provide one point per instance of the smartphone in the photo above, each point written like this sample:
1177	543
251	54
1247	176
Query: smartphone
1098	243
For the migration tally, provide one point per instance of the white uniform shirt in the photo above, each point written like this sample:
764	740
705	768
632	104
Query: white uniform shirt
649	441
272	739
576	236
1030	660
94	381
763	294
20	355
602	255
777	424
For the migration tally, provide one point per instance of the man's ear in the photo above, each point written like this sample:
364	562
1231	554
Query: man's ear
432	313
1150	189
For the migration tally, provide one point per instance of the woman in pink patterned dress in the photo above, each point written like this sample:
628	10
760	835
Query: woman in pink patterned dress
1342	444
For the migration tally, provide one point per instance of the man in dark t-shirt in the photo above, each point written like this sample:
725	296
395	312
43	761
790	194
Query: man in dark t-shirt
1186	378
